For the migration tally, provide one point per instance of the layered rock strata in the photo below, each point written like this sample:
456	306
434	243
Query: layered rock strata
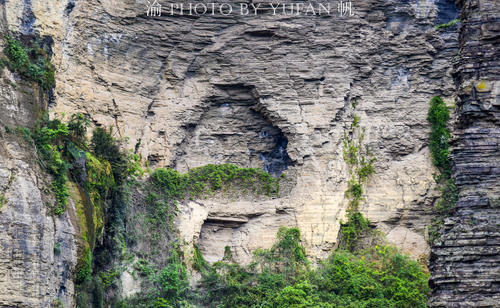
178	85
465	262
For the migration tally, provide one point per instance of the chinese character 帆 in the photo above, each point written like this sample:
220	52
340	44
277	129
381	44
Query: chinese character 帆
345	8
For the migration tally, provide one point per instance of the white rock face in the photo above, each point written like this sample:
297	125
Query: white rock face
177	86
37	251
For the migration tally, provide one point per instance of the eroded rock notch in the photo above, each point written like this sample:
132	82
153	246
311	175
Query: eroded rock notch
234	128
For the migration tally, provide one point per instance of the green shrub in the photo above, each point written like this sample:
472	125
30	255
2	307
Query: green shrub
257	286
438	116
350	232
448	24
85	267
77	127
49	137
3	200
32	63
106	147
168	286
378	277
199	263
299	295
16	53
57	248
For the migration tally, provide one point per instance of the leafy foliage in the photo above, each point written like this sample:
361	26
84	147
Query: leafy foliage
77	127
110	171
85	267
379	277
33	62
256	286
360	161
352	230
106	147
451	23
438	116
206	180
168	286
50	138
3	200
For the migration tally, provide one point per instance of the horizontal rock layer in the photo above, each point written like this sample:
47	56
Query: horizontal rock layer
465	263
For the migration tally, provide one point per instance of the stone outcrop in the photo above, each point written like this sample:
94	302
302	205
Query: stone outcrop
465	263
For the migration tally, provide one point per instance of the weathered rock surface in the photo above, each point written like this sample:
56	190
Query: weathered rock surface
37	250
269	91
465	263
184	86
277	92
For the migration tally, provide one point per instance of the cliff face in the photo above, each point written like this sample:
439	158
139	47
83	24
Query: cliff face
37	251
279	92
267	91
465	262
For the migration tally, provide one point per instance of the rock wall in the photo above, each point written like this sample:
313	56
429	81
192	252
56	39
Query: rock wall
174	83
279	92
465	262
268	91
37	250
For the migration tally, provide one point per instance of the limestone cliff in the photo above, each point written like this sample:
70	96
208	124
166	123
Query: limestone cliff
270	91
276	92
37	250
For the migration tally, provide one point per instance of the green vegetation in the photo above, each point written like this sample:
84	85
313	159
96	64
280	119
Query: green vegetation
438	116
167	286
360	161
57	303
77	127
206	180
85	267
57	248
50	138
280	277
350	232
63	147
448	24
108	277
109	172
31	62
3	200
99	172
